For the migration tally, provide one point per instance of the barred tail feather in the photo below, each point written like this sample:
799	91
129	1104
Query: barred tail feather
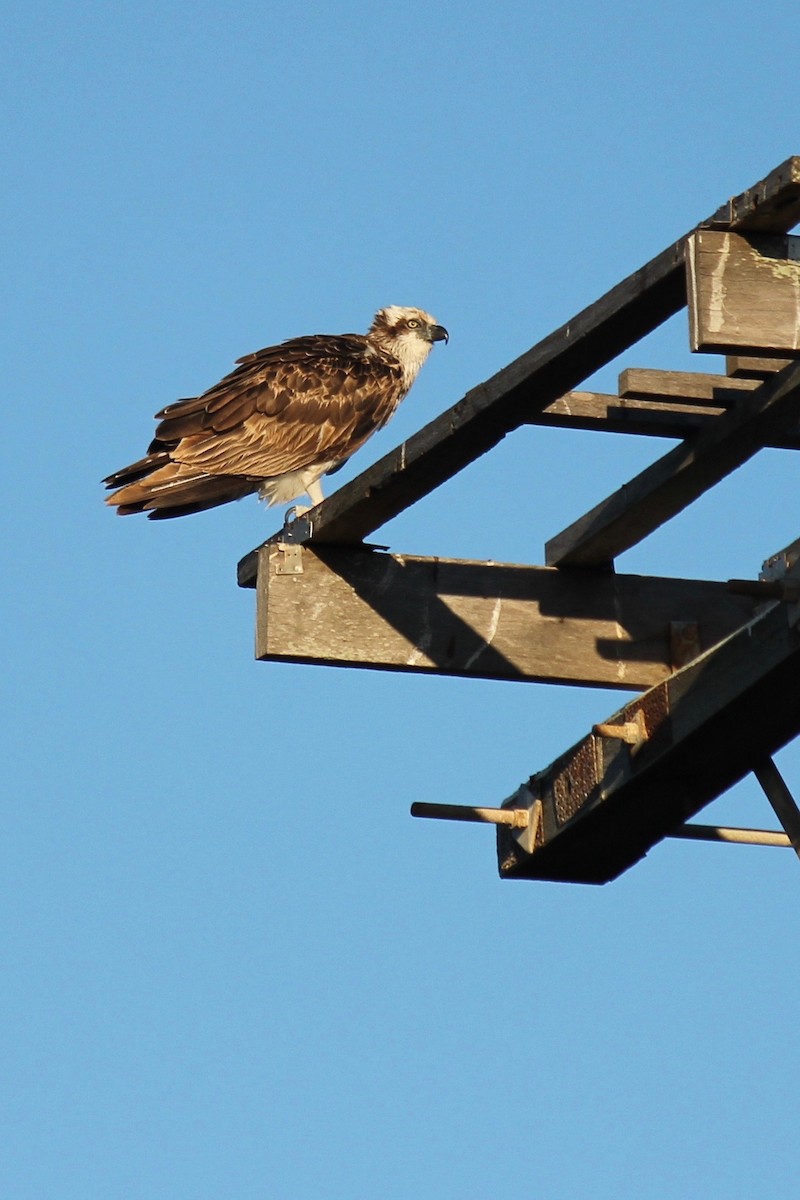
163	489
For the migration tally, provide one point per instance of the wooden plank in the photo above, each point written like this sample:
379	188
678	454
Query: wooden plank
606	803
772	205
345	606
744	366
604	413
744	292
674	481
642	384
555	365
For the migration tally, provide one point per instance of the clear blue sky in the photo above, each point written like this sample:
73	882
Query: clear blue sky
233	966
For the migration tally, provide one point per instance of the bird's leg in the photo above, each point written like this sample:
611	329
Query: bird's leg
314	491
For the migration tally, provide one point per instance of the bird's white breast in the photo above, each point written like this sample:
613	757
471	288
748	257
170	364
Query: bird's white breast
411	352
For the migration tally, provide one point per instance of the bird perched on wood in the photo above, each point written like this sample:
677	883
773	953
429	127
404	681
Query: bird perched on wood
287	415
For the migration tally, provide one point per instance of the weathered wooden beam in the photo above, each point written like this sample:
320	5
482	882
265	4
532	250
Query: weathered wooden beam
771	206
605	413
642	384
744	292
674	481
747	366
350	607
555	365
605	803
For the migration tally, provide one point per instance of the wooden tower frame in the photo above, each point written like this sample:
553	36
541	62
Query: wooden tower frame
718	663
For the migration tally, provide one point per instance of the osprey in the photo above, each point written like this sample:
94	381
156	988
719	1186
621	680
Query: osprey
287	415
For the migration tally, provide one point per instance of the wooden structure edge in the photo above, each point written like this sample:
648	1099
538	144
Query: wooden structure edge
606	802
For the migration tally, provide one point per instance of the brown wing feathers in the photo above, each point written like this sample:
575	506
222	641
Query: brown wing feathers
311	400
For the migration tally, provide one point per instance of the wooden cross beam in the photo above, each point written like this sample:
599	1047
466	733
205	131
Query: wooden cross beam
674	481
686	386
657	416
347	606
745	366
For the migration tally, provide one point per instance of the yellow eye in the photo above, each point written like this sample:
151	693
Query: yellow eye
413	323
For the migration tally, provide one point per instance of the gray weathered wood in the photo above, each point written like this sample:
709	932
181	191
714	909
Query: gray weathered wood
557	364
772	205
350	607
746	366
743	292
605	413
606	803
642	384
674	481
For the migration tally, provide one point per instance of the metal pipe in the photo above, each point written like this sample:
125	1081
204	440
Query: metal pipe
781	799
718	833
516	817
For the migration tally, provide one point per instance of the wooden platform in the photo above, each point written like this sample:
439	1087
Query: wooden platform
719	668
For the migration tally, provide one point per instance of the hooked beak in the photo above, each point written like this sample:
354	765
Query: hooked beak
438	333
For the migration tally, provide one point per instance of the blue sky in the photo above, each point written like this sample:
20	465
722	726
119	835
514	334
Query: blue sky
233	965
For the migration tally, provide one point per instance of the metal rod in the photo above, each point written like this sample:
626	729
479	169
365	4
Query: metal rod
516	817
781	799
718	833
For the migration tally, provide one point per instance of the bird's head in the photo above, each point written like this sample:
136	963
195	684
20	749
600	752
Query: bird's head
396	322
408	334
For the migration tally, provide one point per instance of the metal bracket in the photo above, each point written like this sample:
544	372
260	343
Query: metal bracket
779	578
289	560
783	565
297	528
